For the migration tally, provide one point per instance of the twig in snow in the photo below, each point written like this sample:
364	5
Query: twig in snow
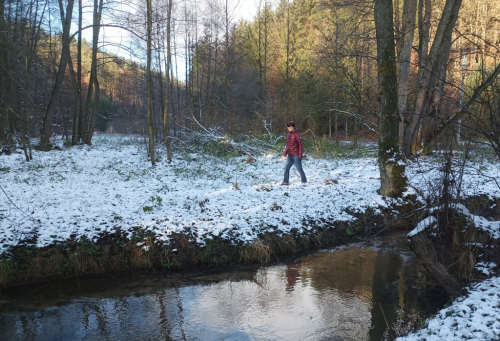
37	221
138	210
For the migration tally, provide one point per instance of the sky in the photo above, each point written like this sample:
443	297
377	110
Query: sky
118	41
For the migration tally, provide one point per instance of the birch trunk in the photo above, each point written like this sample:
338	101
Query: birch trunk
166	126
404	58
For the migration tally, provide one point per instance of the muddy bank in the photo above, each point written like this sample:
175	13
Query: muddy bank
458	243
115	253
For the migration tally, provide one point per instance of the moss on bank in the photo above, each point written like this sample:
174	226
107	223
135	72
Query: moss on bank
114	253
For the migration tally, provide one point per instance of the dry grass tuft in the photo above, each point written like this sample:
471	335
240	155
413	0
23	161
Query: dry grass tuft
281	244
256	251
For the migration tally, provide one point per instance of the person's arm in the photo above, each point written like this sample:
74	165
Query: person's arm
300	146
286	148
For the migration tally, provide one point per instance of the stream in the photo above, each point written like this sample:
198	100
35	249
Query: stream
345	293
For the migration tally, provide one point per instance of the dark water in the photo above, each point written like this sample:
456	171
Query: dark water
340	294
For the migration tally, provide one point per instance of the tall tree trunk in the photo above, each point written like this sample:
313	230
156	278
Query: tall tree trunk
266	32
166	126
176	108
464	108
209	66
392	169
4	78
432	78
259	46
93	115
228	69
51	106
424	25
90	116
148	84
77	119
287	60
74	80
404	58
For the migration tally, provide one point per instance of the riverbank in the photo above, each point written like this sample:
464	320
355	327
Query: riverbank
333	293
104	208
473	316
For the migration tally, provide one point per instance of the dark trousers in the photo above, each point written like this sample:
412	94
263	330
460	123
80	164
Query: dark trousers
290	160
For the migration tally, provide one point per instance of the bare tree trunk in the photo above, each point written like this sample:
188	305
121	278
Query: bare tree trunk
432	78
330	125
148	84
209	66
461	101
259	38
228	68
266	34
51	106
465	108
178	95
424	25
4	79
404	58
166	126
337	141
392	169
288	61
397	22
90	118
74	80
77	119
90	133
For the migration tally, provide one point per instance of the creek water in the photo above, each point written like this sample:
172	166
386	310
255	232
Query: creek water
345	293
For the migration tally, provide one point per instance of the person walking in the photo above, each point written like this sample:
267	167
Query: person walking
294	151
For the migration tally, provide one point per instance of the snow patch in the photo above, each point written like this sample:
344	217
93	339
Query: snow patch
427	222
471	317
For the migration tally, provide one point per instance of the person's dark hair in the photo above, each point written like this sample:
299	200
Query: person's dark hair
291	124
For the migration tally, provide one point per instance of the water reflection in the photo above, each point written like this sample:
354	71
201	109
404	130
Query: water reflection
332	295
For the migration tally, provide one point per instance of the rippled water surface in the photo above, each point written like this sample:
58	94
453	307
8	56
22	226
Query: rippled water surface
340	294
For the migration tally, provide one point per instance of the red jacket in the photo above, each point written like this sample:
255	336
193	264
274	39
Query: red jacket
293	144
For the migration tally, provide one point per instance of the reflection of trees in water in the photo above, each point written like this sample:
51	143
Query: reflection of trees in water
385	293
292	274
343	282
164	303
394	277
331	295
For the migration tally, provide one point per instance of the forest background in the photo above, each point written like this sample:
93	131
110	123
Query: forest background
194	65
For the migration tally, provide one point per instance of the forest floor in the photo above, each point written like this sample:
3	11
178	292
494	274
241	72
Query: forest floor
93	191
90	193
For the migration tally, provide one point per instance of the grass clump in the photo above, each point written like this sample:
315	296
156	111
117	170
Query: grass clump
256	251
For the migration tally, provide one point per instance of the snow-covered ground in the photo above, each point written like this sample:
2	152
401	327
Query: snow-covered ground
475	316
91	191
